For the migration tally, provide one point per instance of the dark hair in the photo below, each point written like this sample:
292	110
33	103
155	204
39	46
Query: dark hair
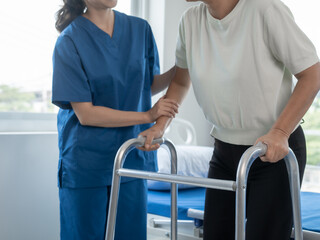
70	10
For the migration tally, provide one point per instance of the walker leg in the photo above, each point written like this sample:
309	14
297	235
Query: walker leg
174	212
240	227
113	206
294	181
245	163
242	174
174	191
115	186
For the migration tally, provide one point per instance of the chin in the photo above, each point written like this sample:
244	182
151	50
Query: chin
111	3
108	3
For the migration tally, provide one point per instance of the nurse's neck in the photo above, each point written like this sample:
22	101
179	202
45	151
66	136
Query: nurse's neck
103	18
220	8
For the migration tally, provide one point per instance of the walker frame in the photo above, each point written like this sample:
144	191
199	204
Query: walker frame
239	186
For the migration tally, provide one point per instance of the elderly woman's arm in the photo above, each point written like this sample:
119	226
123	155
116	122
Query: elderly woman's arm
177	90
301	99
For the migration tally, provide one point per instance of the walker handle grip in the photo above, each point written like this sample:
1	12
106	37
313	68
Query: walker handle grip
263	147
142	139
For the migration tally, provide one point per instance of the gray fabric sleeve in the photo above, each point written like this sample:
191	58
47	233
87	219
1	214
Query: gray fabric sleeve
181	55
286	40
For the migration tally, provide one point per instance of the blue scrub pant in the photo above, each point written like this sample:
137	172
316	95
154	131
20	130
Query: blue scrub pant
83	212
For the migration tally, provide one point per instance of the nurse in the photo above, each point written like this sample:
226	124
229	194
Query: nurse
105	70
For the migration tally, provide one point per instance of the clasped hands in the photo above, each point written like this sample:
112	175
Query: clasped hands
165	107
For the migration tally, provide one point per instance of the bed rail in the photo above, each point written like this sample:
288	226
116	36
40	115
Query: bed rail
239	186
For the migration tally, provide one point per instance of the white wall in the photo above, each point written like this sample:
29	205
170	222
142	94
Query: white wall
156	17
29	206
164	17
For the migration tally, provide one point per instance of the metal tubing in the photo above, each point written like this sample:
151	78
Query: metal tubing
193	181
239	186
115	187
242	174
294	181
174	190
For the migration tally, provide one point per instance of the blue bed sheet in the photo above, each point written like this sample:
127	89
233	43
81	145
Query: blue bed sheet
159	204
310	211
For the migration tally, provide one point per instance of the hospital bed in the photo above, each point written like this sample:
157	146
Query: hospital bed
190	209
190	212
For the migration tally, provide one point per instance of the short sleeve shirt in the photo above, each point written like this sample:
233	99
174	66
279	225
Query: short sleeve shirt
241	66
114	72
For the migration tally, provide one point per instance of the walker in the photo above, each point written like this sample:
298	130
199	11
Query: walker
239	186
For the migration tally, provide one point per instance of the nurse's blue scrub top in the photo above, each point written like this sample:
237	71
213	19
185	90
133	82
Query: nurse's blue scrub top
117	72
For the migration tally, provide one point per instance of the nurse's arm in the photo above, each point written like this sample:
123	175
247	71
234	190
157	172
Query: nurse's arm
98	116
177	91
161	82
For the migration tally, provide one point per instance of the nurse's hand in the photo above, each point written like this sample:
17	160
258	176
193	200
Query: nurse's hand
164	107
277	142
152	133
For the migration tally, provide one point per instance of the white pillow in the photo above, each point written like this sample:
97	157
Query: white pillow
192	161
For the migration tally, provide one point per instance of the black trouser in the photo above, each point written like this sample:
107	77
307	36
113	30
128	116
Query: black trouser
269	208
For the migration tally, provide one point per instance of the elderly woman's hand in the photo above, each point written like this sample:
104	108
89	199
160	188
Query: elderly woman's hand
150	134
277	142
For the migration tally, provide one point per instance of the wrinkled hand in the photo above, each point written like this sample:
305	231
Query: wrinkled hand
277	142
152	133
164	107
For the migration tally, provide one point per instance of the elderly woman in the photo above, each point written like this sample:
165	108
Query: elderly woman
240	56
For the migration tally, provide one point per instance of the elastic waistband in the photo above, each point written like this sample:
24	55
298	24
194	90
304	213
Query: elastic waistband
238	136
245	137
